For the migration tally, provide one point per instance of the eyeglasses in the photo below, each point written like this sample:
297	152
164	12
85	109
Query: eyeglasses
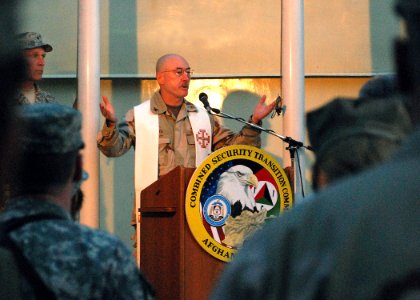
180	71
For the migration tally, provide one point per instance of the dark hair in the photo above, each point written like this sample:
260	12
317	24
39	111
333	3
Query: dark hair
380	86
37	173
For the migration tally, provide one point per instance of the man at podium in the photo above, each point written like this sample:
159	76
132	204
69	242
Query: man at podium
172	131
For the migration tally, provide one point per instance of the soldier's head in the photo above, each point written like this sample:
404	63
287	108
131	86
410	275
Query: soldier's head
173	74
350	136
34	50
50	141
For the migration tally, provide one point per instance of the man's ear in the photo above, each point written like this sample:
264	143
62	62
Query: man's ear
160	78
78	171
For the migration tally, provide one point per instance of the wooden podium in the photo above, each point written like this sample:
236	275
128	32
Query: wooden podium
170	257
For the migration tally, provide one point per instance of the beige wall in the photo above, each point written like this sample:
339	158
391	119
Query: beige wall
346	41
220	38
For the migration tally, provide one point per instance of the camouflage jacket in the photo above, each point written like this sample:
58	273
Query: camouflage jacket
74	261
176	138
40	97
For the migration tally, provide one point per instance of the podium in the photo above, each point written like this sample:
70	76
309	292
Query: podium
170	258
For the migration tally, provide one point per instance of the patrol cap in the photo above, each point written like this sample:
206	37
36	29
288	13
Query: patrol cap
49	128
31	40
405	7
344	117
380	86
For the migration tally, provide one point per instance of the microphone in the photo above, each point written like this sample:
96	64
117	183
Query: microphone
279	108
205	100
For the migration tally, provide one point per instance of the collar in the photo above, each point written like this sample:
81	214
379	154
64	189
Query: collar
158	106
35	87
30	206
21	97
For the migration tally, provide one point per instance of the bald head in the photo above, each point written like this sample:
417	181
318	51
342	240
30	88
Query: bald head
163	60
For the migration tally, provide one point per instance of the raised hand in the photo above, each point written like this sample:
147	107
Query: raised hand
262	110
107	110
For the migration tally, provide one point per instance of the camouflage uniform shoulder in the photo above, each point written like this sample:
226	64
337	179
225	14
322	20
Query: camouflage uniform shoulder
44	97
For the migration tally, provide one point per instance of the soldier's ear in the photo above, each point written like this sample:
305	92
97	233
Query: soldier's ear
78	170
160	78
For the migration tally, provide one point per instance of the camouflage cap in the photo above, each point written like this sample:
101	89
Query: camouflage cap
31	40
49	129
405	7
344	117
380	86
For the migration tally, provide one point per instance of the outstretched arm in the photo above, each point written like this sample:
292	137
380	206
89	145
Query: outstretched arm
115	138
223	136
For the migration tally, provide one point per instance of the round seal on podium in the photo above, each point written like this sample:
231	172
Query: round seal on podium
231	195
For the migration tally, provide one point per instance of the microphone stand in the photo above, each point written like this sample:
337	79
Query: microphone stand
293	145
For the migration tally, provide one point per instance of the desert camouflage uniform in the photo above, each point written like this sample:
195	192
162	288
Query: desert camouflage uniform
74	261
176	138
40	97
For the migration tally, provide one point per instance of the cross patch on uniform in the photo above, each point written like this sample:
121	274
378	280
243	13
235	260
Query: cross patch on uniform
203	138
